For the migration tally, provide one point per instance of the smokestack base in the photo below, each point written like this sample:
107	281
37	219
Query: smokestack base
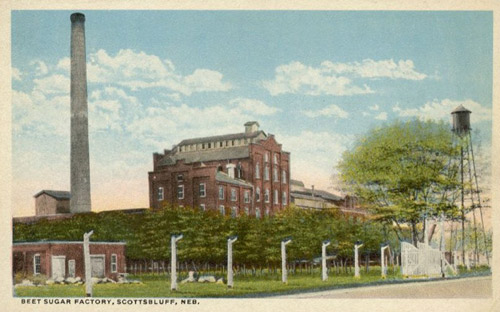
77	17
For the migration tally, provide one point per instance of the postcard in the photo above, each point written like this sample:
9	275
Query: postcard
255	156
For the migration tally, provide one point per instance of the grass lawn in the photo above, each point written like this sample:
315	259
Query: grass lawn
158	285
244	286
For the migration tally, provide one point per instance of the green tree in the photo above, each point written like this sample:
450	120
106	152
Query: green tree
404	173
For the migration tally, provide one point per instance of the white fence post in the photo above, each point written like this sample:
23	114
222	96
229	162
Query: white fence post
357	245
88	264
284	275
230	242
323	260
173	267
383	265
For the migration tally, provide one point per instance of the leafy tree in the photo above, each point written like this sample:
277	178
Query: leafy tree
404	173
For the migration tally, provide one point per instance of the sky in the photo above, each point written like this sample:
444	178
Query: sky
317	80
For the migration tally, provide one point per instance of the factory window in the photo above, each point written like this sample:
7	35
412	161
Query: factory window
283	176
71	268
114	268
221	192
220	144
276	158
257	213
202	207
233	194
222	210
266	173
180	191
232	143
275	175
257	170
180	178
257	194
266	196
275	197
209	145
203	187
247	197
266	157
284	199
36	264
202	145
160	193
234	212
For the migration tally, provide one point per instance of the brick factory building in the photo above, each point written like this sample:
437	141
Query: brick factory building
62	259
242	173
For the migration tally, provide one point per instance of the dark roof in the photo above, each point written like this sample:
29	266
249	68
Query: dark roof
317	193
296	182
460	109
223	177
249	123
55	194
224	137
236	152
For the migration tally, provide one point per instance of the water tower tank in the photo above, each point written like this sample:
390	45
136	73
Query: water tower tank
461	120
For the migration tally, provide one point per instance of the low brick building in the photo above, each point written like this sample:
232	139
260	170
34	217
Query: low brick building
49	202
238	173
65	259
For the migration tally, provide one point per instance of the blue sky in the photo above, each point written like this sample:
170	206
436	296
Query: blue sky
315	79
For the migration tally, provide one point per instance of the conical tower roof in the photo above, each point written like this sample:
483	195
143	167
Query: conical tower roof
461	109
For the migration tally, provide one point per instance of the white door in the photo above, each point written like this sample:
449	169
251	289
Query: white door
97	265
58	267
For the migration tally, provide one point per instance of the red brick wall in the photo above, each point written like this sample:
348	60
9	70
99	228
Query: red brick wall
193	175
71	251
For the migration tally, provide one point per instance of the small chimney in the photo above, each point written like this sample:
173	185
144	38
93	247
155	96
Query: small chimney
251	127
230	170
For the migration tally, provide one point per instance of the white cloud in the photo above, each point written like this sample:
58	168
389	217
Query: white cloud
64	65
297	78
41	68
442	110
254	106
374	107
381	116
16	74
35	113
329	111
54	84
337	78
314	155
368	68
138	70
174	123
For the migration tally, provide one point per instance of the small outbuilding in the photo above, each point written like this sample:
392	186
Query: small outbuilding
49	202
63	259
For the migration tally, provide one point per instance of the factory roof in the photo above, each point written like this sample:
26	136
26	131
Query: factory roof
224	137
55	194
206	155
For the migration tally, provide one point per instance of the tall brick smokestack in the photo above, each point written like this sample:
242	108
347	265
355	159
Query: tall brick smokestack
80	167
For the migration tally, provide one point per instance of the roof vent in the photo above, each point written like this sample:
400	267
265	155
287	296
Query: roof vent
251	126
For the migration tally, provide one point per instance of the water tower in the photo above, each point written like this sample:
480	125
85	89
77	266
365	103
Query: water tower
468	177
